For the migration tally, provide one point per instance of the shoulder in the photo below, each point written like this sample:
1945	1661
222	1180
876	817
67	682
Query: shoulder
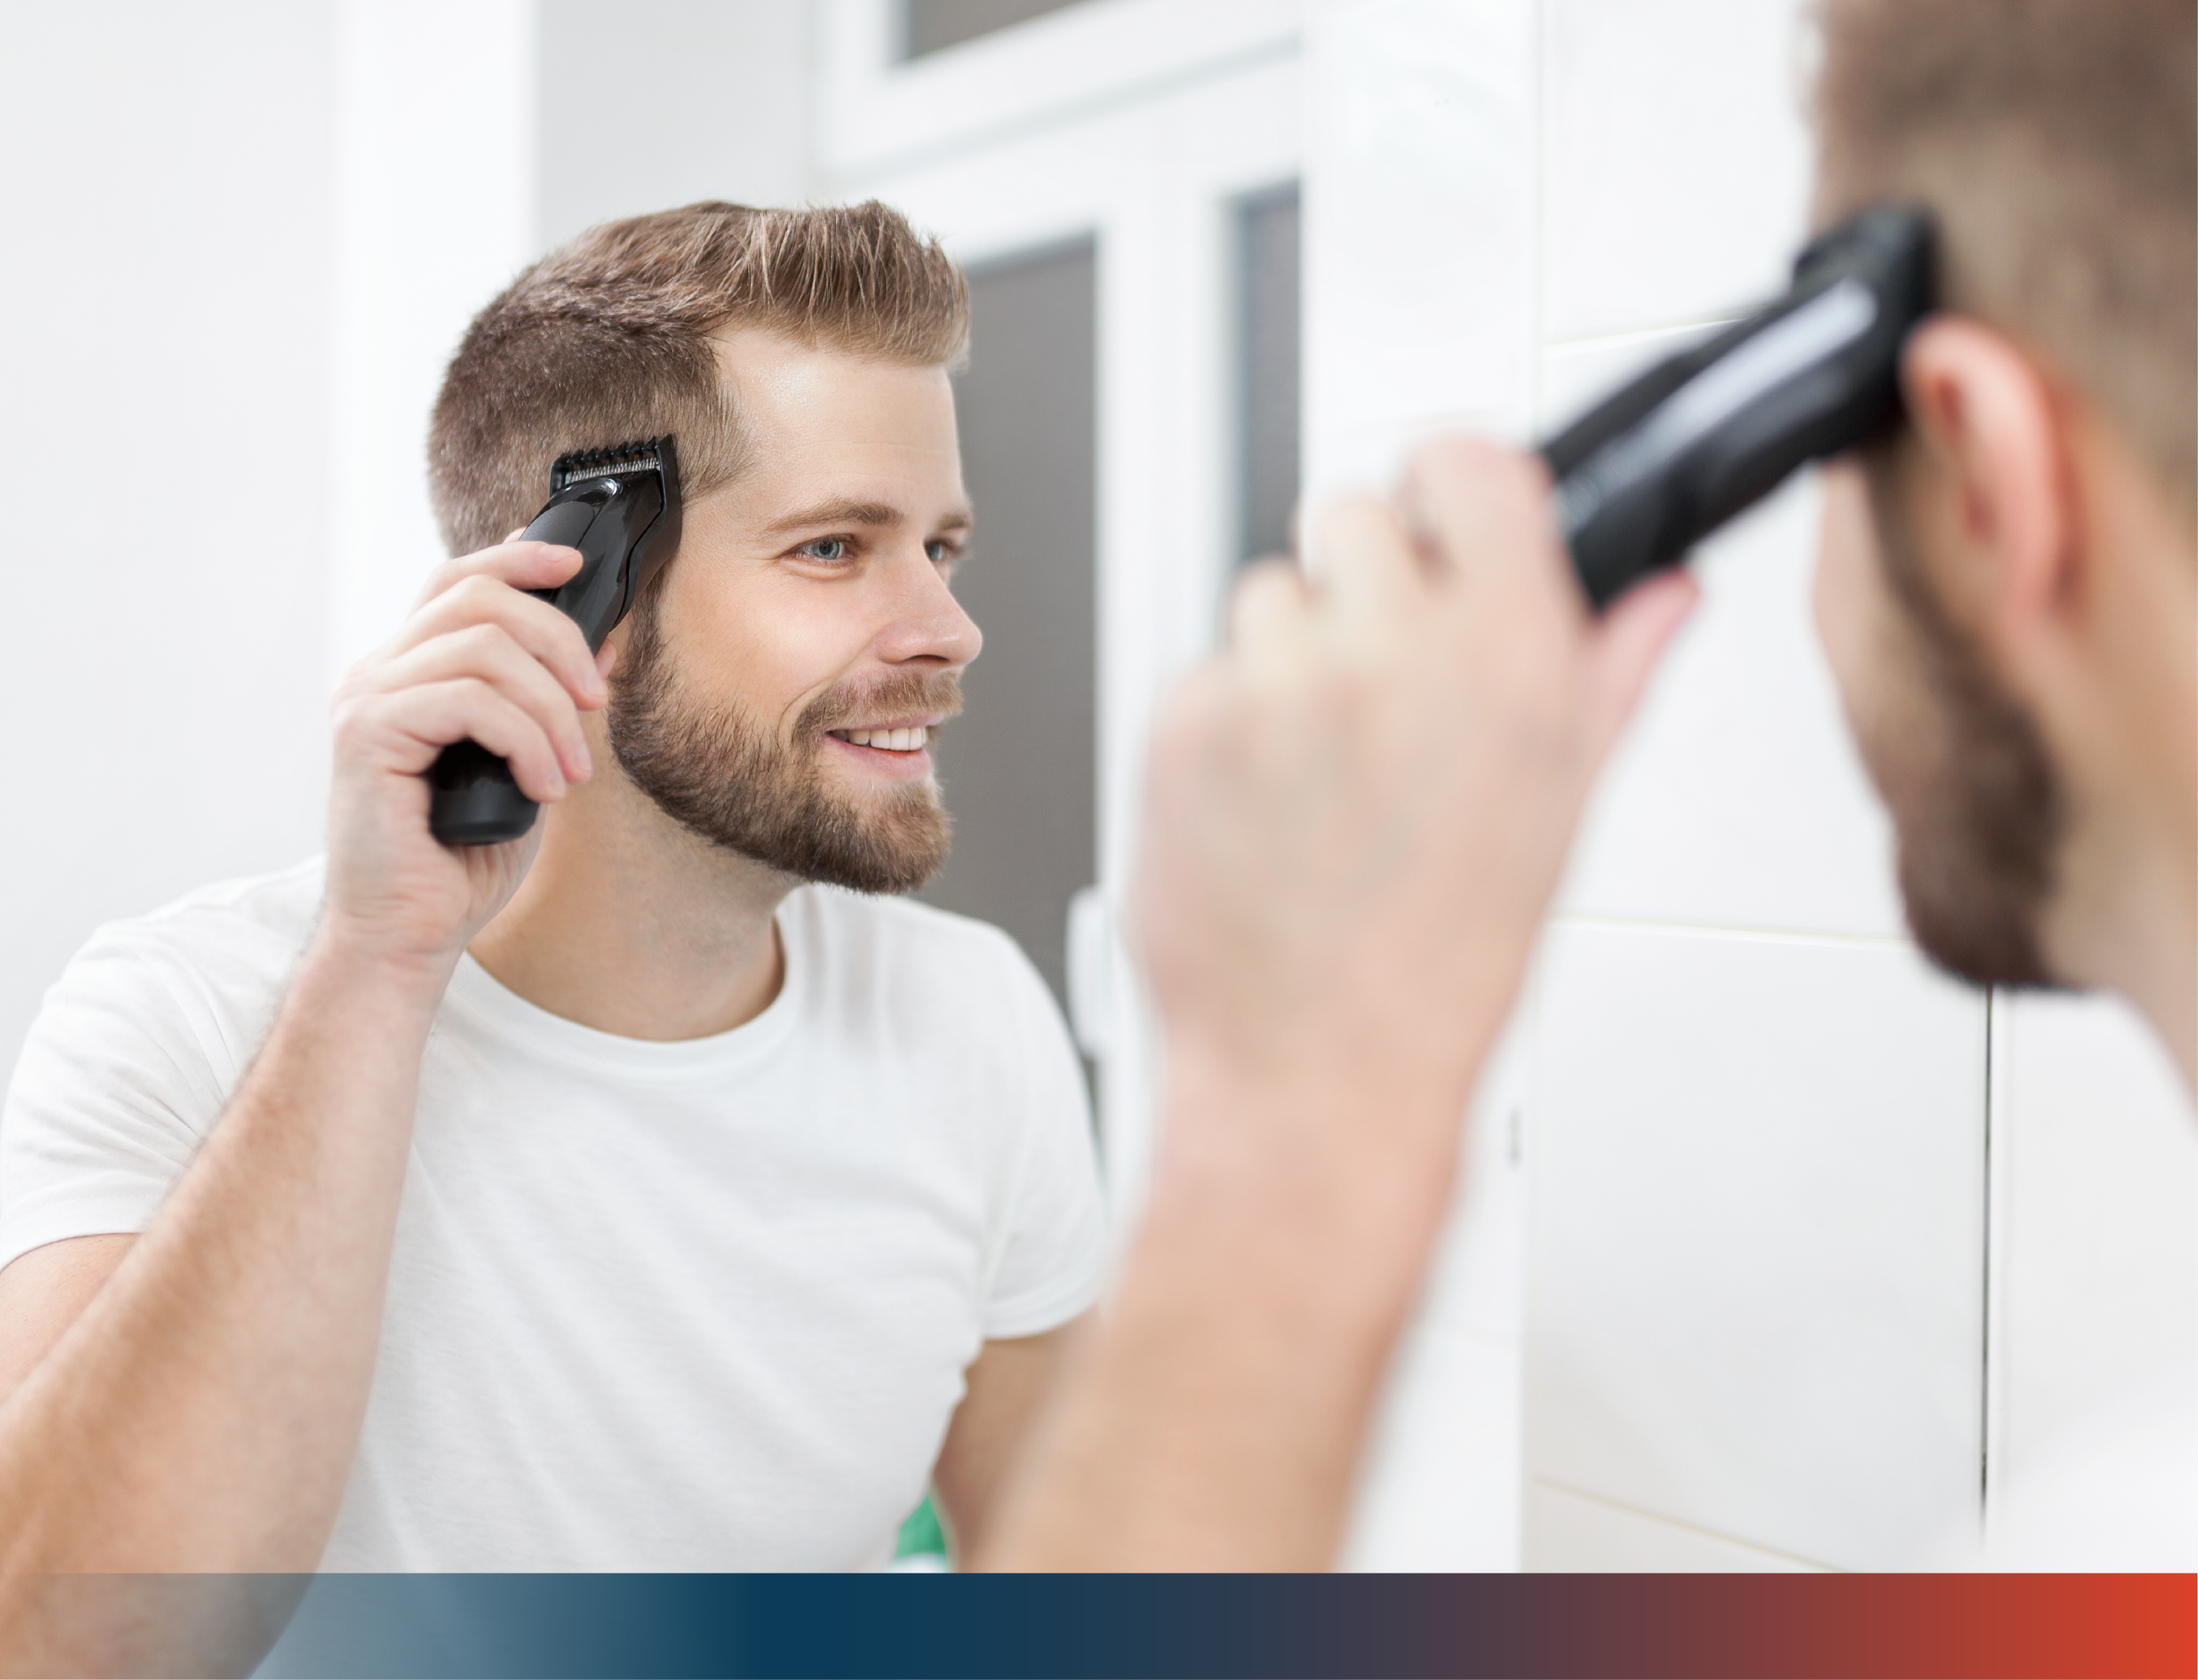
134	1051
281	906
238	925
215	958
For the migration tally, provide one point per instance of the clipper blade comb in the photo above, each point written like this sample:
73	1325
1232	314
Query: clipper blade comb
1659	465
620	508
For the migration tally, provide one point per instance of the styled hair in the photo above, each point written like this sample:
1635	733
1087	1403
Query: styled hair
608	341
2056	142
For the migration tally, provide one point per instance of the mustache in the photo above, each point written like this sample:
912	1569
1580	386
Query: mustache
926	691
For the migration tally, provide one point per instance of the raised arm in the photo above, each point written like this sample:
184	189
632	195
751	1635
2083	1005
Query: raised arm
1355	819
191	1400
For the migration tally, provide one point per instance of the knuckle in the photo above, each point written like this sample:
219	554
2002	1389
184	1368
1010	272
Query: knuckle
478	592
486	640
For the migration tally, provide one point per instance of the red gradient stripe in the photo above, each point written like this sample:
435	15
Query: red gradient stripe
1931	1627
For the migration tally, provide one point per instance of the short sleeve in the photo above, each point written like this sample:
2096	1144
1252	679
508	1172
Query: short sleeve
112	1092
1050	1258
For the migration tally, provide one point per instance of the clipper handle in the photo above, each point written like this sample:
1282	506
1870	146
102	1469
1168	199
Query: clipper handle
620	508
472	800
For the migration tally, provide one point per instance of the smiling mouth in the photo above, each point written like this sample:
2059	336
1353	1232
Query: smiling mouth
885	740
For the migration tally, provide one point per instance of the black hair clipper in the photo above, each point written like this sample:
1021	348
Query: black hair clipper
1655	468
620	508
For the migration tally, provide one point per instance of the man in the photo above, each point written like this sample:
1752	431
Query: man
1358	816
610	1198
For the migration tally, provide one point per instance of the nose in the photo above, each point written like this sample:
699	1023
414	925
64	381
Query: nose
926	624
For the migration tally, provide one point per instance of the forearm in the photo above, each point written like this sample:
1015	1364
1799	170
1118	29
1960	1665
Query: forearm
1218	1421
202	1412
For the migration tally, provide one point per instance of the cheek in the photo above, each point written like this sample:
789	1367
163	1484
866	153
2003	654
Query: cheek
768	644
1846	595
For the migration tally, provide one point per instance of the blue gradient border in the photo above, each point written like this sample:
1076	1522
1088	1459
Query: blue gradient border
976	1626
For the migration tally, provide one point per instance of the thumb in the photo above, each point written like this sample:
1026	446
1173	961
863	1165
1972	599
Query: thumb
1625	646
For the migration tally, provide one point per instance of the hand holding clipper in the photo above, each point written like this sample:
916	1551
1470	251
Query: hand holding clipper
620	508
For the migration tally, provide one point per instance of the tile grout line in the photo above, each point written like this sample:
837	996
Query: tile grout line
1686	1527
1732	930
1985	1349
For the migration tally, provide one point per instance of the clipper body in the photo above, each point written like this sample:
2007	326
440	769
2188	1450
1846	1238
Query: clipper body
620	508
1659	465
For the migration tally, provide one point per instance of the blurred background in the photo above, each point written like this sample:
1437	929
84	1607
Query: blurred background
1774	1250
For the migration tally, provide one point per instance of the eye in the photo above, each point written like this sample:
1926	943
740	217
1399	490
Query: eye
829	549
942	552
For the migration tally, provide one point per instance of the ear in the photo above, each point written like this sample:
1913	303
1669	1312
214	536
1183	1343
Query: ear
1999	478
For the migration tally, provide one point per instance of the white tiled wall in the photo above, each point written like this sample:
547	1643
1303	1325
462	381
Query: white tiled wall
1785	1308
1673	160
2094	1215
1419	264
1596	1537
1757	1236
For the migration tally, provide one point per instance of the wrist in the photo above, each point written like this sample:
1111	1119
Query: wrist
345	955
1333	1180
1324	1104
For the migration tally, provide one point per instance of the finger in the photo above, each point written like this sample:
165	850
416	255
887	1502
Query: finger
544	633
421	722
1484	512
526	566
489	652
1269	616
1628	640
1369	578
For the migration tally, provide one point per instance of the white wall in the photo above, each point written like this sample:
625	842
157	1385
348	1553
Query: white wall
435	190
166	312
721	107
1784	1308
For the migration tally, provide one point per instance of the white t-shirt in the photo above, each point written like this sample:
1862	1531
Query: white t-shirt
702	1305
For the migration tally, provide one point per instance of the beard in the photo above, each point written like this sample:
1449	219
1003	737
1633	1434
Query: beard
1978	807
723	775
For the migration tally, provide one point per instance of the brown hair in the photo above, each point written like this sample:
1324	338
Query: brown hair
2056	142
608	341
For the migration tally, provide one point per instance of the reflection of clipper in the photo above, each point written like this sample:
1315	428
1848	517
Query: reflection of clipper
1653	470
620	508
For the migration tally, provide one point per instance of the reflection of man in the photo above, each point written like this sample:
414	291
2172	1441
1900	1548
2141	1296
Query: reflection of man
611	1198
1358	816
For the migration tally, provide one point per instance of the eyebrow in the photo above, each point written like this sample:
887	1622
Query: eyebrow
845	512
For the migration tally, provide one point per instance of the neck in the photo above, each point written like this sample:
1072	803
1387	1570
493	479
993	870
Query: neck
2128	916
2152	919
629	924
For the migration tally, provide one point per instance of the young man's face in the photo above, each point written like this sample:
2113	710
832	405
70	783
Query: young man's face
777	694
1976	802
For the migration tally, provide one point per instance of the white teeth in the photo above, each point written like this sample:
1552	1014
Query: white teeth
891	741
